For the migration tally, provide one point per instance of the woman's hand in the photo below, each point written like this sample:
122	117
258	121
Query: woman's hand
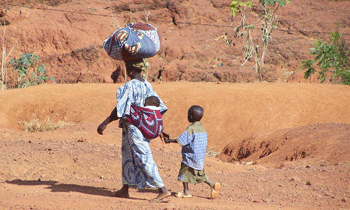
101	128
164	134
108	120
103	125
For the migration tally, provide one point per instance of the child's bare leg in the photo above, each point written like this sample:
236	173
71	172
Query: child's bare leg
122	193
210	183
185	193
186	190
215	187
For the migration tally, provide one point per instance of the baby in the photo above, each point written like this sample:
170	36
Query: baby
147	119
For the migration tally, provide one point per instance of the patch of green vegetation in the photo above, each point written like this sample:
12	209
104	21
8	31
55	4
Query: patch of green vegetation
29	74
333	58
267	23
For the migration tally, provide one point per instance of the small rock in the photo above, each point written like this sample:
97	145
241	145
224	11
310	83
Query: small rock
296	179
82	139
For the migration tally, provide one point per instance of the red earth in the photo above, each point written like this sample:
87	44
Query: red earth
68	35
279	144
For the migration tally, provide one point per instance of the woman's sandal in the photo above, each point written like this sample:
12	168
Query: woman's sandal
160	198
215	190
182	195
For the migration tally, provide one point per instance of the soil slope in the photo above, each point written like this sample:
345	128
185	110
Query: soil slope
68	35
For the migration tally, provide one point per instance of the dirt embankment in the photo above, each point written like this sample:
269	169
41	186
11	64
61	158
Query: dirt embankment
68	35
287	147
231	110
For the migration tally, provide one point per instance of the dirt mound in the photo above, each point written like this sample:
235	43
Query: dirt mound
311	143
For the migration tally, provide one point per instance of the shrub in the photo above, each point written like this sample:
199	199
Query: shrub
212	153
333	58
254	47
28	72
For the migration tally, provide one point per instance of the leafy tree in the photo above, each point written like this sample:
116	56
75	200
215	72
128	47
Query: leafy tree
28	72
333	58
267	23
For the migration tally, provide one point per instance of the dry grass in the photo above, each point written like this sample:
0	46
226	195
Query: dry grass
47	125
212	153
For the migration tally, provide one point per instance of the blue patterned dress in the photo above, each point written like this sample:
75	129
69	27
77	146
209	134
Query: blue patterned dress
138	166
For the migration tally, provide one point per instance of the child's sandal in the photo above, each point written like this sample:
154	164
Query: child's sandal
215	190
182	195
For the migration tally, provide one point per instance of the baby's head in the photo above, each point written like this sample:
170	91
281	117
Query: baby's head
152	101
195	113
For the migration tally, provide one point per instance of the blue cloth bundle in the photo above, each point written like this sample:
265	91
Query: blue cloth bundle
134	41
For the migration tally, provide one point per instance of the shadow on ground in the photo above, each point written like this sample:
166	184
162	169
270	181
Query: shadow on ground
56	187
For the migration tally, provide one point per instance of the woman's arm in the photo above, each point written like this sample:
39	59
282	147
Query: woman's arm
112	117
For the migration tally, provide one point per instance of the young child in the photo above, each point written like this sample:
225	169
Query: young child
194	146
147	119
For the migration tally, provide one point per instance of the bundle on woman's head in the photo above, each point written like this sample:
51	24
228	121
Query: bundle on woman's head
134	41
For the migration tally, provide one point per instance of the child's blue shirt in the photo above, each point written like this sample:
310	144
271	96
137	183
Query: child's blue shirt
194	145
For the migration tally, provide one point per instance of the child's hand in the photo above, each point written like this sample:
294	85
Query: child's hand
166	140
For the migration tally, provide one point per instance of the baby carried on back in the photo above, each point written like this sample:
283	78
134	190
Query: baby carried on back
147	119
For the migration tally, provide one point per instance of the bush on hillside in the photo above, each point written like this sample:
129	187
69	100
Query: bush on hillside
333	58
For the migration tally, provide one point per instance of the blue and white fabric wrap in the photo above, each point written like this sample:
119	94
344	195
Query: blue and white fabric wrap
140	40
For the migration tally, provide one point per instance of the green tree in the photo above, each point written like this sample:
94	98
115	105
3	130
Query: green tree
28	72
268	22
333	58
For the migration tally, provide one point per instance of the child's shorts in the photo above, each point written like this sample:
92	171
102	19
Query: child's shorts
190	175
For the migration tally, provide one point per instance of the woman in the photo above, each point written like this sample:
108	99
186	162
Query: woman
138	166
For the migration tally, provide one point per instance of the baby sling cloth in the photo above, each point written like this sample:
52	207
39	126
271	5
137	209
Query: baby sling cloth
148	121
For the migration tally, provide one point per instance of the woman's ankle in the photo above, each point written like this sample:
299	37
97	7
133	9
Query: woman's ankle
163	190
123	192
210	183
125	188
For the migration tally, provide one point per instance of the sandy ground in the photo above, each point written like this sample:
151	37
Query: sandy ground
282	146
